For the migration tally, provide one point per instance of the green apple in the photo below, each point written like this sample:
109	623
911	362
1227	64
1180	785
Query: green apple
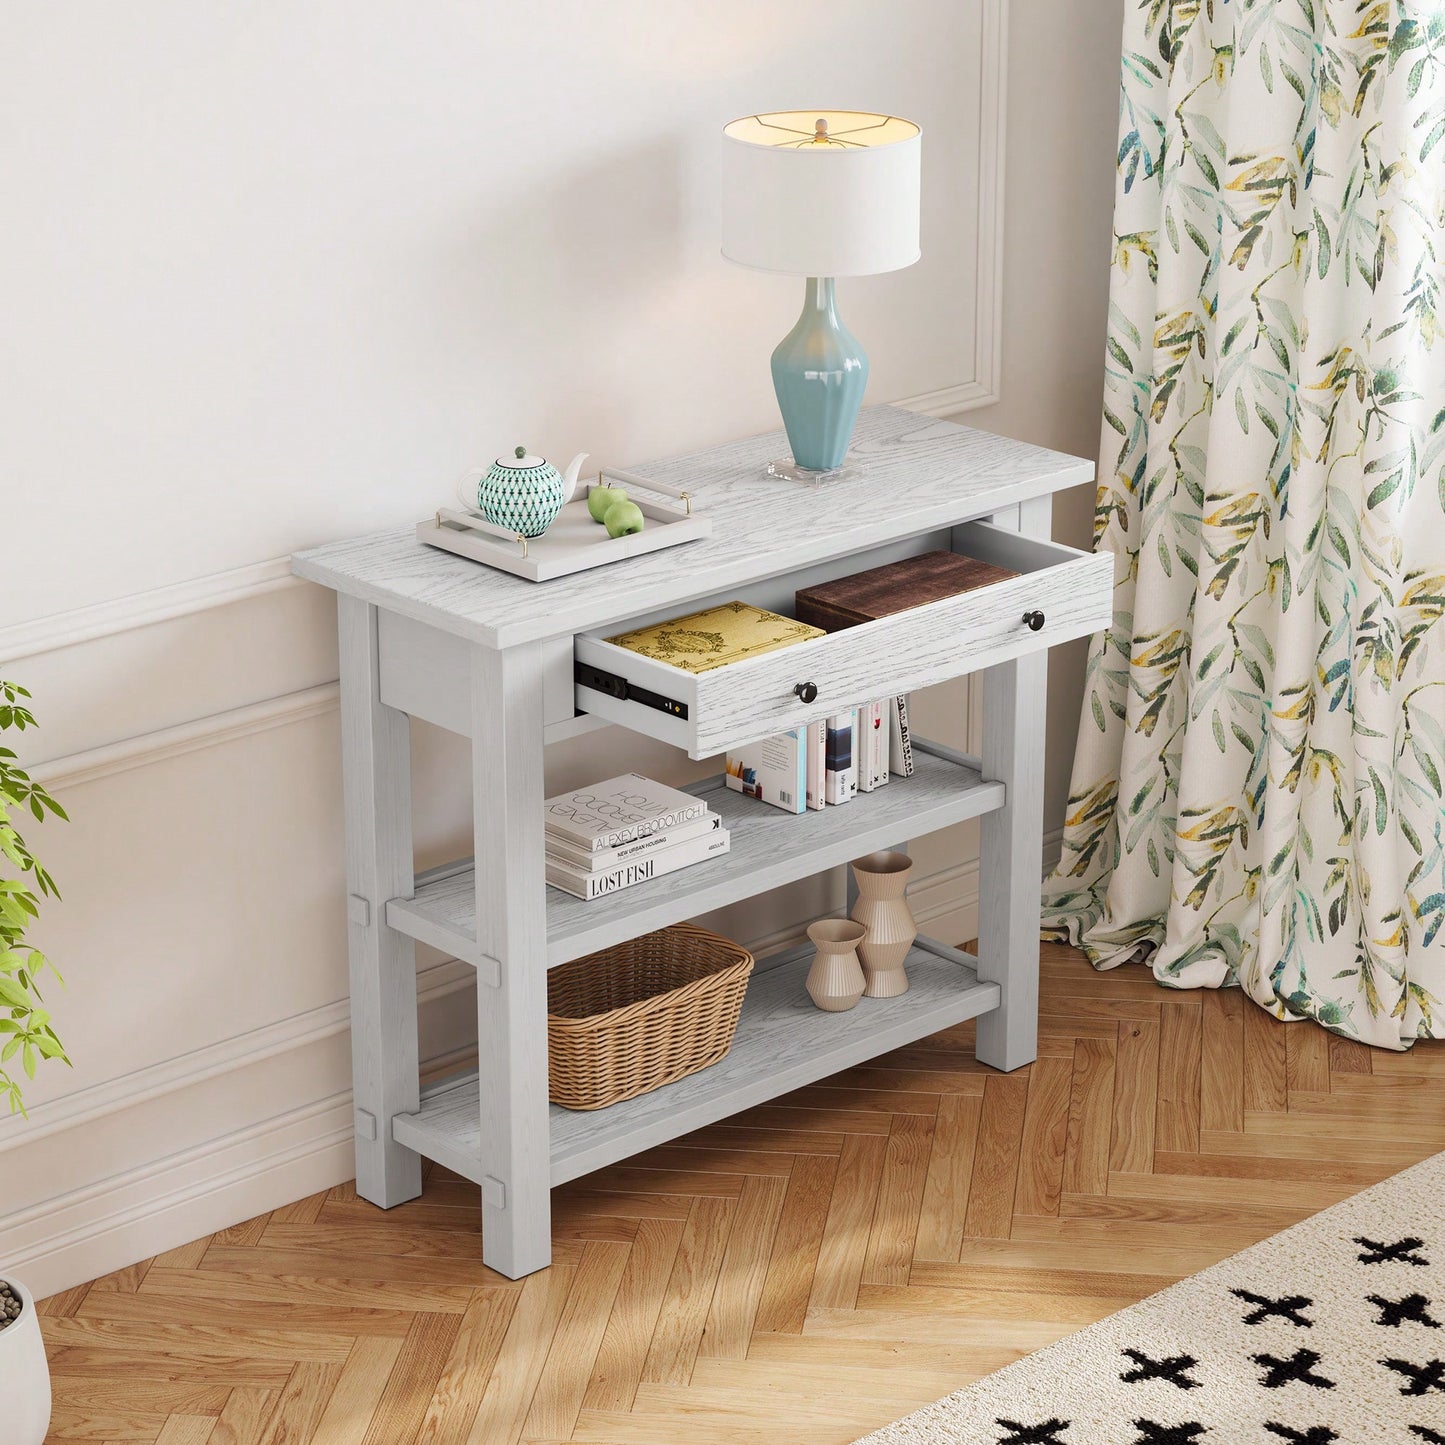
600	499
623	518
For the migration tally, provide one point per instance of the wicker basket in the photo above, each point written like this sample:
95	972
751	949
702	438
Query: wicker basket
642	1014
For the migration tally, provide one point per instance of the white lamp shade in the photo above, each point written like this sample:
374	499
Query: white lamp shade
840	200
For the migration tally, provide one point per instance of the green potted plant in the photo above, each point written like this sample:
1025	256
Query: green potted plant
26	1039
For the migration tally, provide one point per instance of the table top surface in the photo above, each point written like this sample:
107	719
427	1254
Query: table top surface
914	474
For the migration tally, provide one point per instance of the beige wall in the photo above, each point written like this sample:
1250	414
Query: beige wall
1062	116
250	320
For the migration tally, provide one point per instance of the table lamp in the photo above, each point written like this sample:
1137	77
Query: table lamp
821	194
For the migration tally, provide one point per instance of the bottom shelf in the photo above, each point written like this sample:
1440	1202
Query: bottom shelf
782	1043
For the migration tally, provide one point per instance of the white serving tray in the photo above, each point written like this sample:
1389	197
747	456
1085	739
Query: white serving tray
574	542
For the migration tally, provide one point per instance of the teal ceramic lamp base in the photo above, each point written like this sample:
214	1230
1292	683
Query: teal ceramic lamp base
820	372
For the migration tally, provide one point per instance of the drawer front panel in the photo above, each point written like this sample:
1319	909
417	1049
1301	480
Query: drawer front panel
913	649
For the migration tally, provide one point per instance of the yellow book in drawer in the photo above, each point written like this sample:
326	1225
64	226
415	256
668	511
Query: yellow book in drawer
702	641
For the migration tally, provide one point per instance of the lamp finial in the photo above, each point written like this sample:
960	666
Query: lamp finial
820	132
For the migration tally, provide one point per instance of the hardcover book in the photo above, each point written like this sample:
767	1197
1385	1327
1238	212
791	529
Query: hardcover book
606	815
716	637
774	770
882	591
654	865
842	776
571	856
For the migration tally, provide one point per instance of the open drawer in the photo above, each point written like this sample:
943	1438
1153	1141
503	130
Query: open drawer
1059	594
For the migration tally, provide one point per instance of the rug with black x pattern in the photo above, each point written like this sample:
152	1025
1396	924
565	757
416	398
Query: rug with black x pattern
1333	1331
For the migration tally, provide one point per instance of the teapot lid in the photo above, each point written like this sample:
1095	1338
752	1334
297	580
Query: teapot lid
521	458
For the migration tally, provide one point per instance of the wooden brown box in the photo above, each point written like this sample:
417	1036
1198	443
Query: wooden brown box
882	591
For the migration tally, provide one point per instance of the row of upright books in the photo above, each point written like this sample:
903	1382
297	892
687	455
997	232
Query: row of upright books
631	829
828	761
624	831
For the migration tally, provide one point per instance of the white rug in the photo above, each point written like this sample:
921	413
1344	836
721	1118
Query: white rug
1331	1331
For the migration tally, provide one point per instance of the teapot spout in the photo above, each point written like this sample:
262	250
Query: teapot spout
569	477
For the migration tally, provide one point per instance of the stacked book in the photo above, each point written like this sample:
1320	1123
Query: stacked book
625	831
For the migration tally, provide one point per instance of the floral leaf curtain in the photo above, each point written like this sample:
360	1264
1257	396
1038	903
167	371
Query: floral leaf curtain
1257	793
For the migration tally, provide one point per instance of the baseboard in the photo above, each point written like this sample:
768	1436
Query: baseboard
1053	849
159	1205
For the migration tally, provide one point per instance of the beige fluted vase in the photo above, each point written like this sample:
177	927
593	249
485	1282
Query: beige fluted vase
882	908
835	981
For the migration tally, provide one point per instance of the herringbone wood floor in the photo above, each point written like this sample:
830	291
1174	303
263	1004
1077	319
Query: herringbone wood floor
804	1272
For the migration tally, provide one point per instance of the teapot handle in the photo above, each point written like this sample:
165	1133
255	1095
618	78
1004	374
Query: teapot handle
466	490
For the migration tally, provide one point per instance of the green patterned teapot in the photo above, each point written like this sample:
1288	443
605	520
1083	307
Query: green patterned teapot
522	493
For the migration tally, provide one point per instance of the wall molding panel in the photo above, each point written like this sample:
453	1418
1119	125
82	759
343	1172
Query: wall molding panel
240	1051
149	748
985	385
141	609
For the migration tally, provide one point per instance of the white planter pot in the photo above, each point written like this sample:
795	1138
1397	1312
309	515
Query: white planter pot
24	1375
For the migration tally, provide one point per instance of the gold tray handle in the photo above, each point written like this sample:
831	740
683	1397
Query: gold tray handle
472	521
633	479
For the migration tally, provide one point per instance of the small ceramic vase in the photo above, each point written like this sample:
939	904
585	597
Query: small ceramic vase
883	910
835	981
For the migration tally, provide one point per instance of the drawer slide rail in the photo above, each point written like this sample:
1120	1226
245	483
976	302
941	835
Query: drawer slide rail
599	680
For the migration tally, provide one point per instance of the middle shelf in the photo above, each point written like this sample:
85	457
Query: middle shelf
769	848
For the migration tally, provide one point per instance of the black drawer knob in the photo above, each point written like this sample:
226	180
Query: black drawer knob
1035	621
808	691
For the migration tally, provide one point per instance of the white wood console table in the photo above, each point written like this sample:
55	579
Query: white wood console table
513	665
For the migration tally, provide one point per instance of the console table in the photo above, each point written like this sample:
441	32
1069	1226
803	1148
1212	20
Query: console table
513	665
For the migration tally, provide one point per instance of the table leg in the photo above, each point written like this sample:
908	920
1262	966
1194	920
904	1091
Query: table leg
1015	700
1010	854
376	769
507	796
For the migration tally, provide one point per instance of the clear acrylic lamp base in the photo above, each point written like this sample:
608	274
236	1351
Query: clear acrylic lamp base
785	469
